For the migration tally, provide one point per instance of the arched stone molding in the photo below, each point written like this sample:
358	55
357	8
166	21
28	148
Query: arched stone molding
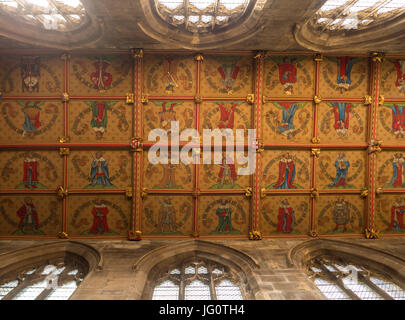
148	268
15	260
246	28
373	38
91	31
380	262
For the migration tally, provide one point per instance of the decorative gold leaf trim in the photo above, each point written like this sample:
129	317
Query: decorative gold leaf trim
364	193
374	146
137	53
145	99
62	193
130	98
316	152
318	57
134	235
144	192
371	233
259	54
199	57
255	235
314	193
377	56
136	144
316	140
250	98
63	139
368	100
64	151
262	193
313	233
128	192
65	97
63	235
198	99
381	99
317	99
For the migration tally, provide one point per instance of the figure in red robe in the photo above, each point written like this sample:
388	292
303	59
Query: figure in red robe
99	213
28	216
227	115
400	68
398	120
30	179
227	171
285	217
288	74
101	78
341	111
345	65
398	172
286	173
397	216
228	73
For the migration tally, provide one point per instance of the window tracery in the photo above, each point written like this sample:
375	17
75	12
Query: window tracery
54	279
337	15
60	15
201	15
202	280
340	279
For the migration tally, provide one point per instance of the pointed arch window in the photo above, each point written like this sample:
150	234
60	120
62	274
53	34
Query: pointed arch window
198	280
58	15
55	279
340	279
337	15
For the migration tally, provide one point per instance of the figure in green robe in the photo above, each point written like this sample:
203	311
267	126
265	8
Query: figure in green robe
224	213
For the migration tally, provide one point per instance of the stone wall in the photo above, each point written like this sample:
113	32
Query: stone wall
274	278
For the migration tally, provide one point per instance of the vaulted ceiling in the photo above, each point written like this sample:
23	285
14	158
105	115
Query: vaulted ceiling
275	25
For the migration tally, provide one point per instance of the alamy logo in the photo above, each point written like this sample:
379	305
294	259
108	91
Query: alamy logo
190	153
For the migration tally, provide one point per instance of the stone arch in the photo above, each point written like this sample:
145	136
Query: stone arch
381	262
149	267
20	258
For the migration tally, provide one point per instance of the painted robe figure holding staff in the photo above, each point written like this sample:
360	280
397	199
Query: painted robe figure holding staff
99	171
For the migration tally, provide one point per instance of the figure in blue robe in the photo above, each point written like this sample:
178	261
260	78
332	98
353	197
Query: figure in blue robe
99	171
288	113
342	166
286	173
345	65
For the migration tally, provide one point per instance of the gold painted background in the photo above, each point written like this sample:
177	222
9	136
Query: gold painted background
96	121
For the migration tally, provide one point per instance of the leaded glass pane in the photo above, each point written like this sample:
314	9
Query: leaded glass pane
7	287
392	289
167	290
202	270
197	290
31	292
203	15
63	292
50	14
226	290
331	290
